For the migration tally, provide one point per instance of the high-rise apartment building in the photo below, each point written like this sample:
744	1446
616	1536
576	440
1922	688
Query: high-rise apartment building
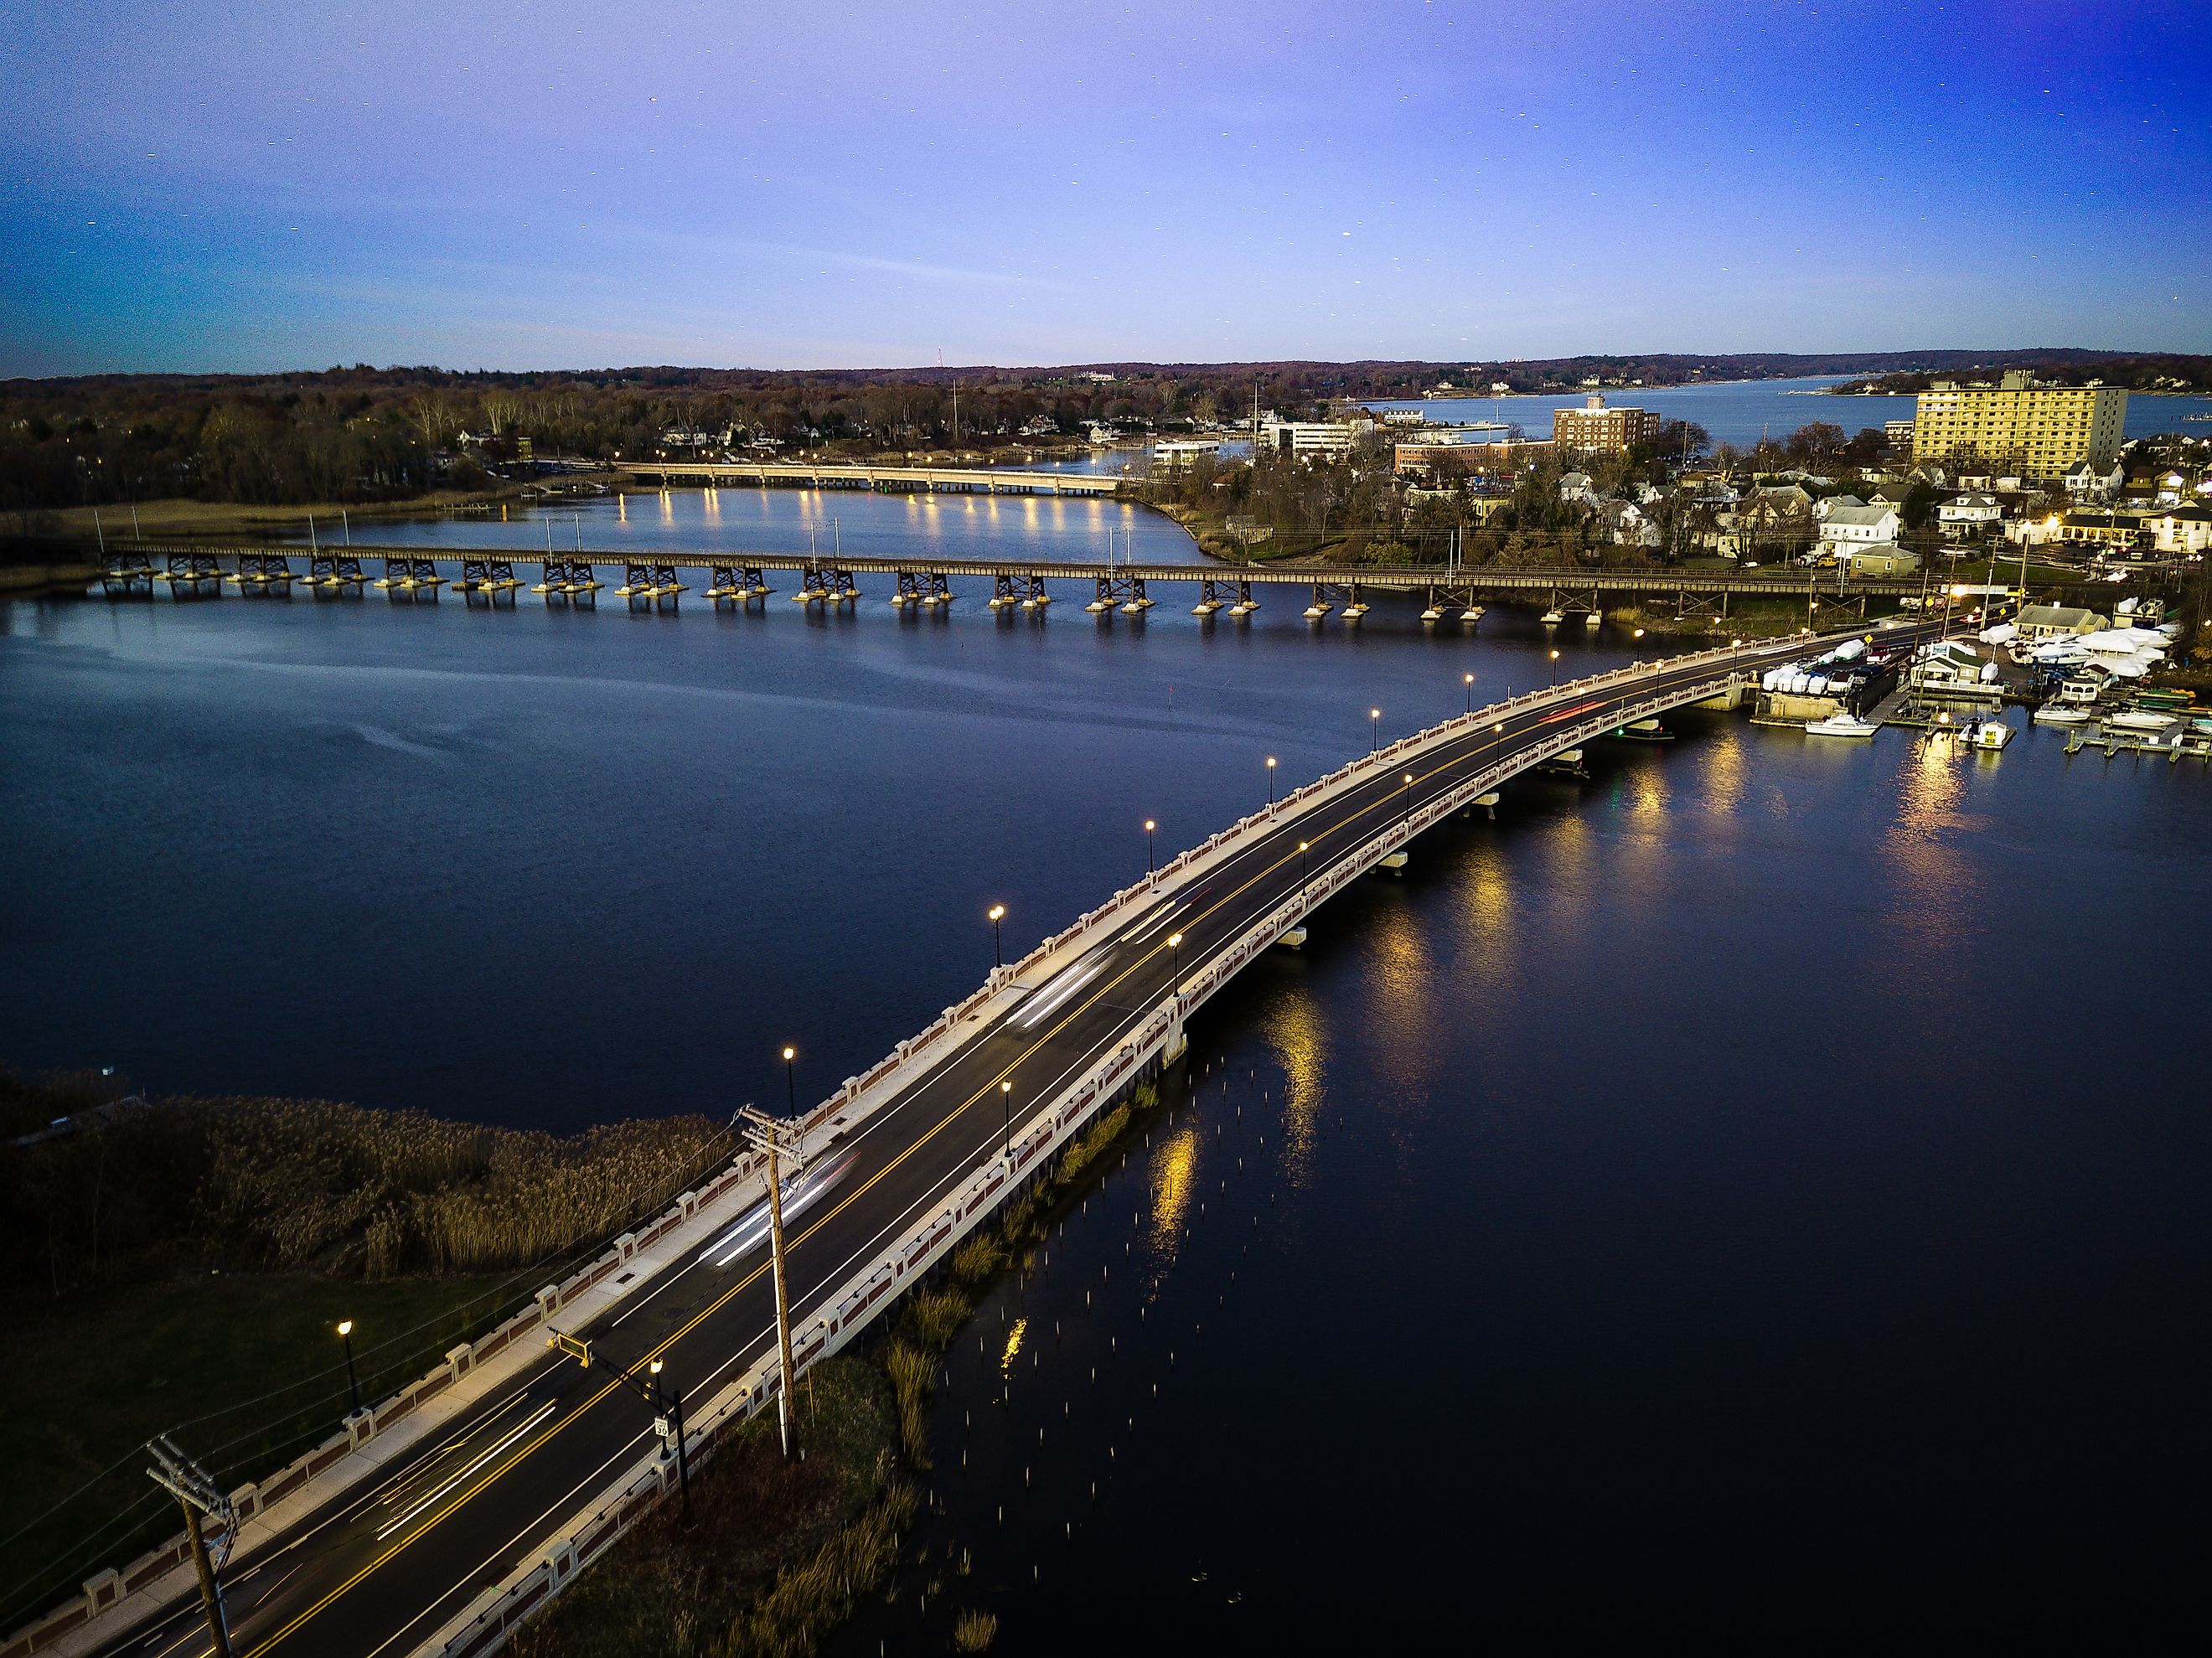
2037	430
1595	429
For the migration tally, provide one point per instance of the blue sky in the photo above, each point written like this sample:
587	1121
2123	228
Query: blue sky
539	184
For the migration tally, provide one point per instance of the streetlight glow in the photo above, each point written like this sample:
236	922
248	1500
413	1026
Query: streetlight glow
345	1327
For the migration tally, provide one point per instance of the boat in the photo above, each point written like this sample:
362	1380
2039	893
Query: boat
1841	724
1992	734
2059	713
2141	719
1644	731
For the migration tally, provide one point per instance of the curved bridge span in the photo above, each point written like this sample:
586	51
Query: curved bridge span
454	1536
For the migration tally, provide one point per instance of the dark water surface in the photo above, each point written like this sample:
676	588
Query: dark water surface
1759	1195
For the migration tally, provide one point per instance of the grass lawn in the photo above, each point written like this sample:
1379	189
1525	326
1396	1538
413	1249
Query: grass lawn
95	1375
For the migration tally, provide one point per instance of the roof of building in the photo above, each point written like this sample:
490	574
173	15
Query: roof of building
2058	616
1870	517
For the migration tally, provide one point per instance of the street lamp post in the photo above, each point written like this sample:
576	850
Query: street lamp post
353	1382
1006	1100
1406	802
998	914
673	1415
1149	827
1175	963
1303	888
1271	782
1470	692
791	1079
1374	729
1555	668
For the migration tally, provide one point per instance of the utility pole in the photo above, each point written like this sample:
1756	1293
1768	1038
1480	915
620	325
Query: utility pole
186	1481
778	1138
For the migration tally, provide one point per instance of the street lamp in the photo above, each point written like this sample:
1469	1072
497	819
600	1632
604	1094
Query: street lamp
1174	958
998	914
1271	780
1406	802
672	1415
1470	692
1149	827
1374	737
1006	1099
790	1078
353	1382
1303	888
1555	668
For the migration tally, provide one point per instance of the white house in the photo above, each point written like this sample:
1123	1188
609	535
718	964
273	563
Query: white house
1969	515
1828	504
2181	529
2085	482
1848	527
1576	486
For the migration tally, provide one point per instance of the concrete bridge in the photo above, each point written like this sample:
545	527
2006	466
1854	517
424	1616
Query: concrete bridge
547	1466
875	474
1452	593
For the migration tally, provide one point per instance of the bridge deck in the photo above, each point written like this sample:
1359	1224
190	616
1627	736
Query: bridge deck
1418	578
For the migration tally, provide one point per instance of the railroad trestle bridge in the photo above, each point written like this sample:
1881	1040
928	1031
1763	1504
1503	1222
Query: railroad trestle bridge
1452	592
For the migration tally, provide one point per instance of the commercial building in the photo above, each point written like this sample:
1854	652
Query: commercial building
1444	461
1173	455
2041	430
1309	438
1595	429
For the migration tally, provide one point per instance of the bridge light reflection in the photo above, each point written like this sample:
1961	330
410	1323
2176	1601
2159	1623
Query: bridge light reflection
1175	1172
1013	1346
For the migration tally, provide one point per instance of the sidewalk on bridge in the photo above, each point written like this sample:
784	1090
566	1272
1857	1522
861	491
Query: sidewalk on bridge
423	1422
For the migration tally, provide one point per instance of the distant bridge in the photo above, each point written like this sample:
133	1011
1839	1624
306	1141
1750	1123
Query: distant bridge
968	480
1453	593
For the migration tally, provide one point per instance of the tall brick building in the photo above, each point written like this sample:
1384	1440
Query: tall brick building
1595	429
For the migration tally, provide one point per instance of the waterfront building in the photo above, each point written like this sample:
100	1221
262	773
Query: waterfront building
1443	460
2041	429
2056	621
1176	454
1899	433
1595	429
1310	437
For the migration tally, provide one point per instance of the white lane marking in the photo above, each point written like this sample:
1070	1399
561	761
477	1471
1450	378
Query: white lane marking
536	1417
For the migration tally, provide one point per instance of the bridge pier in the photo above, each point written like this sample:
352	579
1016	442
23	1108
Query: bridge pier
1711	606
925	589
195	573
123	574
1828	610
1446	597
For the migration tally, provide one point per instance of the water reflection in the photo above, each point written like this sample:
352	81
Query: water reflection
1294	1029
1173	1177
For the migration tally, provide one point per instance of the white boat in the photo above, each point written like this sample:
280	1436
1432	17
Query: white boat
1841	724
2055	713
1992	734
2141	719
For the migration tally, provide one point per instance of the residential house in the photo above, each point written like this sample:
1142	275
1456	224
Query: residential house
1884	558
1847	528
2108	533
1576	486
2087	482
1969	514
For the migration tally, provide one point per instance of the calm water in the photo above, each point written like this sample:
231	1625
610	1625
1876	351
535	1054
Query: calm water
1749	1193
746	518
1742	412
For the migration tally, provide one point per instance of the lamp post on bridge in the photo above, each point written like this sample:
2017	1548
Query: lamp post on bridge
1271	782
353	1382
1305	891
998	914
1149	827
1555	669
1006	1100
1374	729
791	1079
1175	963
1406	802
1470	692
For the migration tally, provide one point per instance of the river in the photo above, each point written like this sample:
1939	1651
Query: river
1739	1196
1741	412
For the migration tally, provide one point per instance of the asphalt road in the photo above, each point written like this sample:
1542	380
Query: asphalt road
378	1569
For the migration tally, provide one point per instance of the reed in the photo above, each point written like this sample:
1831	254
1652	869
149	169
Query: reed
974	1631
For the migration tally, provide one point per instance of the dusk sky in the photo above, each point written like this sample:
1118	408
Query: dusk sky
251	186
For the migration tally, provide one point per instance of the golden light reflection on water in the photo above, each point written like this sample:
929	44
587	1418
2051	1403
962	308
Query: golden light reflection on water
1174	1179
1403	1005
1722	778
1934	893
1294	1029
1013	1346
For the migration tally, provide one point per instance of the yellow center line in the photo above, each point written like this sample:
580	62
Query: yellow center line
577	1415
